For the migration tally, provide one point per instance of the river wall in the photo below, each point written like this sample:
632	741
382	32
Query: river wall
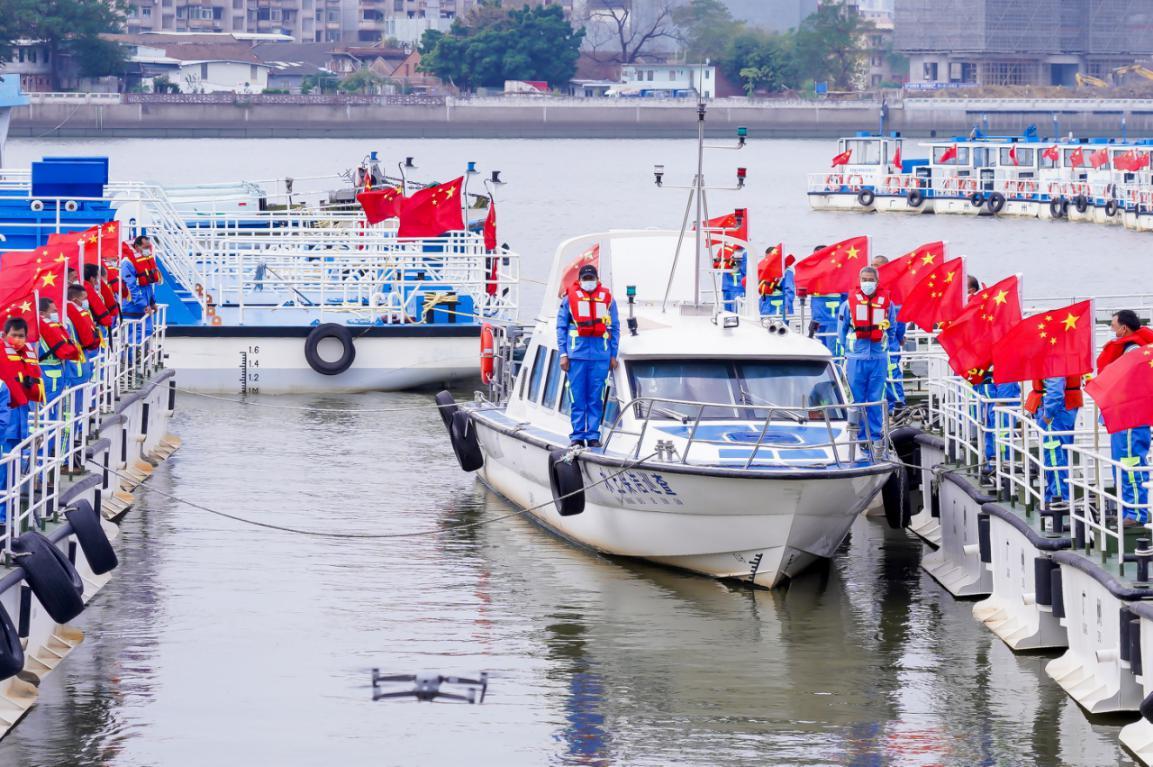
228	115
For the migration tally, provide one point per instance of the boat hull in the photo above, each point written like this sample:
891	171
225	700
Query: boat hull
759	529
269	360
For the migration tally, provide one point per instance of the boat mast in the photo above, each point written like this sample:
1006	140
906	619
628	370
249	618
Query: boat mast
699	184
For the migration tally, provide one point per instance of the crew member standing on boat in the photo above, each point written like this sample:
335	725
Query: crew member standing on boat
895	378
864	325
777	290
61	360
1054	403
730	261
1130	447
587	335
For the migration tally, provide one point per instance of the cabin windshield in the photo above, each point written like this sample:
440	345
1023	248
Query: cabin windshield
865	151
735	389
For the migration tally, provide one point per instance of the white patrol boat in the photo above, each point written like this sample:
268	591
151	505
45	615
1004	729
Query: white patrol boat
729	447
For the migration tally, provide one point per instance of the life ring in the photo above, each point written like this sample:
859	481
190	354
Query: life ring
968	184
51	576
995	203
37	206
976	199
361	176
347	354
93	540
865	198
1111	208
446	406
487	354
833	182
1054	189
916	198
893	184
462	435
71	206
893	494
1058	207
854	187
11	651
564	477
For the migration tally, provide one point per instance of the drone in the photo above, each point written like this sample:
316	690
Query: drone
426	687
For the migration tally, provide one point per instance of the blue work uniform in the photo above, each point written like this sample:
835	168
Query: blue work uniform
589	358
6	415
996	425
1130	448
1055	418
825	313
733	281
140	297
866	366
779	303
895	383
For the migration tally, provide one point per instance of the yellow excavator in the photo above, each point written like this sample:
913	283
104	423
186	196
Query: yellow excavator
1117	76
1090	80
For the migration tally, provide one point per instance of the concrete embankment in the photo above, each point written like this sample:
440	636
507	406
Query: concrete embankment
265	116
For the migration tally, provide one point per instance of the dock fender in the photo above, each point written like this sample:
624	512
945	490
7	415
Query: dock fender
976	199
1081	203
904	439
1111	208
1124	623
11	651
1135	664
462	434
915	198
93	540
1057	592
564	477
446	406
347	353
865	198
1043	568
984	538
893	494
1058	206
51	576
996	202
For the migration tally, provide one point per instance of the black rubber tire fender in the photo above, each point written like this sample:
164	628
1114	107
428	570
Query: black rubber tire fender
320	333
976	199
462	434
446	405
51	576
90	535
995	203
915	198
1111	208
1058	206
564	477
11	651
893	498
866	197
1081	203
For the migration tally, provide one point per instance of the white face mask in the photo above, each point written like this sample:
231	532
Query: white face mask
868	288
588	285
54	317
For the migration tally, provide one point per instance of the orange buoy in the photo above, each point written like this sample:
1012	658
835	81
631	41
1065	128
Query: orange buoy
487	353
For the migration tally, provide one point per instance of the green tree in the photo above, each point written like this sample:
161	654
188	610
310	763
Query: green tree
362	81
706	27
493	45
760	60
67	26
324	82
829	45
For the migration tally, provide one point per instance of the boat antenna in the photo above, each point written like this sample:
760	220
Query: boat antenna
697	191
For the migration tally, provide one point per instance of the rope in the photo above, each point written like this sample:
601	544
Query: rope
376	536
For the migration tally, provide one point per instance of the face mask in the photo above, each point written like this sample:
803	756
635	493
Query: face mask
54	317
588	285
868	288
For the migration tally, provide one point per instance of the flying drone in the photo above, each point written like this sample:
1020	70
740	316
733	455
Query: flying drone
426	686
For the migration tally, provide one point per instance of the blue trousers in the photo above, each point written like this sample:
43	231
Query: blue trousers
586	387
1130	448
867	383
730	295
773	305
895	385
1055	458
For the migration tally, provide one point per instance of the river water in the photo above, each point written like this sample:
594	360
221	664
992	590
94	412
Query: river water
223	643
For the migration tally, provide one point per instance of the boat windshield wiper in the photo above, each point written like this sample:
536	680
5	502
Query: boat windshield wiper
654	407
791	414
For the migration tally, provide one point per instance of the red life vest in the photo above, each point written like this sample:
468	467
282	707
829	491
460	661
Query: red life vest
726	257
33	377
108	295
868	313
977	376
147	272
55	337
99	311
590	311
86	332
1113	350
12	371
1073	397
769	274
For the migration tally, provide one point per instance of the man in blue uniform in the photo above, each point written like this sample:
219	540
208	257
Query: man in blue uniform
1054	403
864	322
777	295
587	335
730	259
1130	447
895	383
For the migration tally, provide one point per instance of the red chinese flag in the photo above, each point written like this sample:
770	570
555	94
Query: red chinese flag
735	225
569	275
901	274
771	269
947	155
17	271
1077	158
1121	161
1124	391
834	268
1013	155
490	226
938	297
897	159
1141	161
1052	153
1099	159
843	158
1052	344
24	307
433	211
968	339
381	204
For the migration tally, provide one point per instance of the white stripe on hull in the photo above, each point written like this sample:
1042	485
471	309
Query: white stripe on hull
713	525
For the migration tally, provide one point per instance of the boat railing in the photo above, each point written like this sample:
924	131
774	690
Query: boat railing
1100	516
852	182
964	415
845	441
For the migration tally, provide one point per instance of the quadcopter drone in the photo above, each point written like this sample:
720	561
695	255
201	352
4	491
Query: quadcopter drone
426	687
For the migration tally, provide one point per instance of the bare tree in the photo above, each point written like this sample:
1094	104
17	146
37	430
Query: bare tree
624	31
